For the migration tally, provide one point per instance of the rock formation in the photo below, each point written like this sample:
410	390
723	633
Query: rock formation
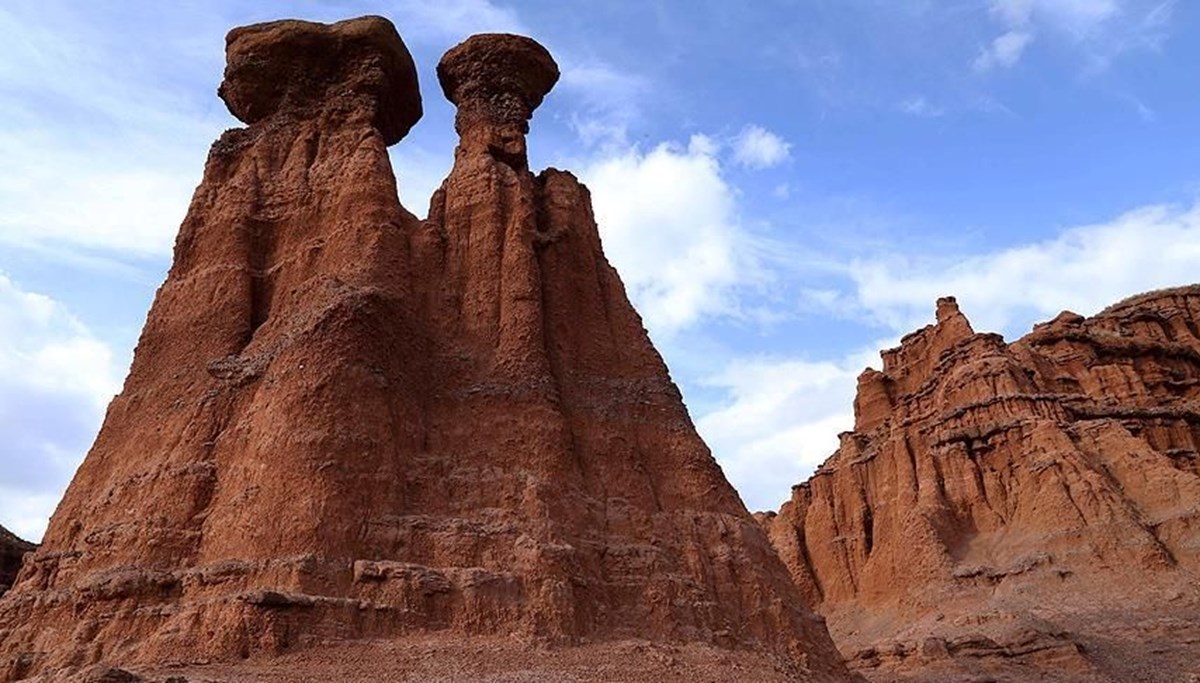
12	552
345	423
1022	511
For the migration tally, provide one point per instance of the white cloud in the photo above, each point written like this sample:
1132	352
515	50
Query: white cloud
1079	16
419	173
1100	29
757	147
780	421
670	226
1004	52
1014	12
1144	112
781	416
606	100
55	380
107	156
1083	269
922	107
89	197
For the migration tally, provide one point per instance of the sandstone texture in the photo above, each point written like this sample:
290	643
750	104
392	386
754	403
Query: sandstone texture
1015	512
12	552
347	425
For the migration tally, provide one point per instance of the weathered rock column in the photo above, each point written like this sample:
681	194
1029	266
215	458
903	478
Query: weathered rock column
255	431
488	207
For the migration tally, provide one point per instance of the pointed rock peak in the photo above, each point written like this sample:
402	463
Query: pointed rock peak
911	363
300	69
872	402
496	80
963	472
1063	323
947	308
1068	319
951	320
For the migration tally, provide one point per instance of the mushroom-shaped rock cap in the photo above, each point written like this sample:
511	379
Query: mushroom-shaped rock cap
500	75
296	66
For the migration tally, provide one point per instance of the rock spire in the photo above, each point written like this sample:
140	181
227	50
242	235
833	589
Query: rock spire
345	424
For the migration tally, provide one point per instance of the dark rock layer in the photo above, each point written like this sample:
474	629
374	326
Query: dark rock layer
12	553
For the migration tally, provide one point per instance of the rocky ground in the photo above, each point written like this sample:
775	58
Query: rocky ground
456	660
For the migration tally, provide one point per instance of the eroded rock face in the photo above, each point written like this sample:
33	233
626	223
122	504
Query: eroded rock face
297	69
343	422
1018	511
496	80
12	552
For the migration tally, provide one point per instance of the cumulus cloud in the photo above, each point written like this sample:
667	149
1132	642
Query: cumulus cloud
55	380
75	199
780	420
670	225
106	162
756	147
1083	269
780	416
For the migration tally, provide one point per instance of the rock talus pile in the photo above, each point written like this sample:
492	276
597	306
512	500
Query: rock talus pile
344	423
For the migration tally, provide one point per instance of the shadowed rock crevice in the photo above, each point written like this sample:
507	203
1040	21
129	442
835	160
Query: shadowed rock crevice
12	552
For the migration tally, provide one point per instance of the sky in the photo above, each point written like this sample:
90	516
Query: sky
786	186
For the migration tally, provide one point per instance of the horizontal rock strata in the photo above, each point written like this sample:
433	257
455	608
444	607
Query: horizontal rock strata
1002	509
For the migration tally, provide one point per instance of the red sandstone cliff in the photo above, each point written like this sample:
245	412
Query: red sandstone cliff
345	423
1022	511
12	552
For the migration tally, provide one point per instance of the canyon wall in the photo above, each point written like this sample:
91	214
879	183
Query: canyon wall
1015	511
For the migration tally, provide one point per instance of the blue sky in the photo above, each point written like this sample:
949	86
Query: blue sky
785	185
